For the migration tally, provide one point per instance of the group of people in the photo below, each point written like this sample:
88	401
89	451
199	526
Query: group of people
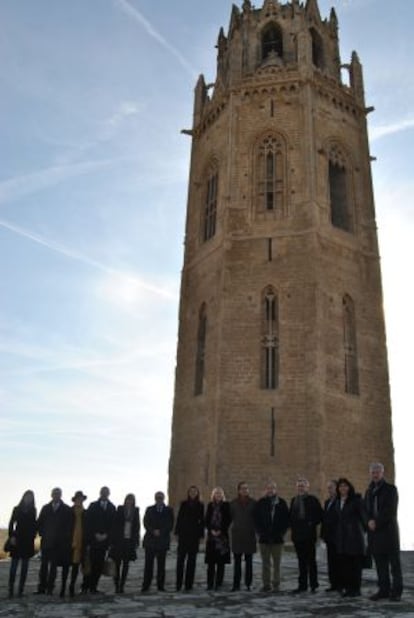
353	528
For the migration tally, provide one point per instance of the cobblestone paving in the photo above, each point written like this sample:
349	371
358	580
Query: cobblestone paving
203	604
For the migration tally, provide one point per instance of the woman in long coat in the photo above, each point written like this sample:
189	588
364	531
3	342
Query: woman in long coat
22	532
218	520
243	535
124	539
78	541
350	544
189	530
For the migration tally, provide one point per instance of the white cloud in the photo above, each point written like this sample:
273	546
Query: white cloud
378	132
136	16
132	279
26	184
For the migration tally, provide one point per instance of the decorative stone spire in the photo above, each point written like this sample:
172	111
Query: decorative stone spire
356	79
333	21
312	11
200	97
234	20
247	6
270	7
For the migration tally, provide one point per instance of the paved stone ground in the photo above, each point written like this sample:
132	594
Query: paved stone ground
203	604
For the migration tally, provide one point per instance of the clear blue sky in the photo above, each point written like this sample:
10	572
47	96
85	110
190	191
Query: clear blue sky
93	184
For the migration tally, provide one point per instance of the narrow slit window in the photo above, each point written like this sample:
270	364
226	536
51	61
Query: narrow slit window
350	347
270	341
201	350
210	207
271	175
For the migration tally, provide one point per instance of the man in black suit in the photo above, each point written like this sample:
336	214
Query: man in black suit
305	515
328	534
99	521
381	501
55	526
158	523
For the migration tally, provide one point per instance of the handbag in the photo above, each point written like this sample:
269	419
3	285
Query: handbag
10	544
109	568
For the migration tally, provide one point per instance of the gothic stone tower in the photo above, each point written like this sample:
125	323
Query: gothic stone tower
281	362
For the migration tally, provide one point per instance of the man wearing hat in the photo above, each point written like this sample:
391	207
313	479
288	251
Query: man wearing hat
78	541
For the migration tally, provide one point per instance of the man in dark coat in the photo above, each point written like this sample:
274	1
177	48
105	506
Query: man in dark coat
98	523
305	515
381	500
55	526
328	535
243	535
158	523
271	518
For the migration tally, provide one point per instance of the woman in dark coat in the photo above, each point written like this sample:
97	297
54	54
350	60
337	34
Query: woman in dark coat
218	520
22	532
350	544
189	529
124	539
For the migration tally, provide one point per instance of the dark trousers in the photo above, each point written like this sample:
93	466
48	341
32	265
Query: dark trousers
188	559
48	570
305	551
384	563
97	556
73	577
24	565
237	573
121	574
333	568
215	575
150	556
350	573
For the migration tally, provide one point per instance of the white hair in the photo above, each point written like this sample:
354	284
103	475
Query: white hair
376	465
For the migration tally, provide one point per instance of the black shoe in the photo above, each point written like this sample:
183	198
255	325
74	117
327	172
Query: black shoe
314	590
235	589
331	589
298	590
266	589
161	589
378	595
144	588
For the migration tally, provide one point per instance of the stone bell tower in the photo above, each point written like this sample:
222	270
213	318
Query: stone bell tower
282	361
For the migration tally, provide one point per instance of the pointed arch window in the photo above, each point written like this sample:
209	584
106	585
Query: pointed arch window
350	347
339	194
272	41
270	340
201	350
210	204
317	49
271	174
